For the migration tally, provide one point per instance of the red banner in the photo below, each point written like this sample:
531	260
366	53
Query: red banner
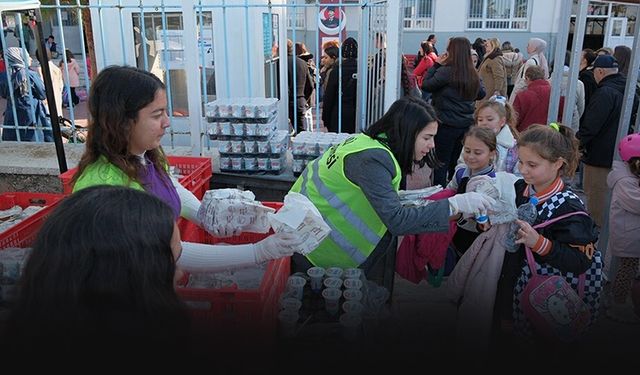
332	22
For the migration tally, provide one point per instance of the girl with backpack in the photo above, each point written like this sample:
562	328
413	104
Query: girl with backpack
492	281
479	154
566	246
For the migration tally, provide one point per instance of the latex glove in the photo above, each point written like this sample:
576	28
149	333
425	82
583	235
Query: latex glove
277	246
473	204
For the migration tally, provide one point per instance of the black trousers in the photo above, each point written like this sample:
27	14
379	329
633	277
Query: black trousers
74	97
297	113
448	147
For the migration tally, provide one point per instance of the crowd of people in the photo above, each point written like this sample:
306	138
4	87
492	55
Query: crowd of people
474	123
26	97
488	84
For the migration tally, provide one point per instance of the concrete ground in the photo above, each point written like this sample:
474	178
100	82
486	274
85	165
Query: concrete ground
425	317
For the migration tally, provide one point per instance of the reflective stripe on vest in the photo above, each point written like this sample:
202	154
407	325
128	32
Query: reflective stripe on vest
360	227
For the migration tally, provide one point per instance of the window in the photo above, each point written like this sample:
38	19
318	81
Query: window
296	16
167	61
418	14
498	14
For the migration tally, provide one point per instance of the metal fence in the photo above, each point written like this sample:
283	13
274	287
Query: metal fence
205	50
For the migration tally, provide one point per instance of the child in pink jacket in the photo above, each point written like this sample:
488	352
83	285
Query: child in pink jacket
74	75
624	226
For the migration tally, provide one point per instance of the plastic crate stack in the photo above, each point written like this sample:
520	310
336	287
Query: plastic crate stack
309	145
24	232
23	214
248	139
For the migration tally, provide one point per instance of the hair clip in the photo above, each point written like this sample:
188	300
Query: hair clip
555	126
499	98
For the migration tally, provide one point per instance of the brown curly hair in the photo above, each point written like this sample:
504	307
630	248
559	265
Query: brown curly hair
117	95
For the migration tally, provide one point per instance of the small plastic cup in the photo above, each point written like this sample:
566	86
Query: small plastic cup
352	273
333	282
288	321
291	304
334	272
353	283
332	300
296	286
353	295
316	274
351	326
353	307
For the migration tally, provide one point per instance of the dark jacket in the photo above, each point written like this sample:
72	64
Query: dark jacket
590	84
599	126
578	230
29	108
452	109
349	95
302	77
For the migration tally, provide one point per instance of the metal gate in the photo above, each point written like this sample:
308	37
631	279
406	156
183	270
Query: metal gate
209	49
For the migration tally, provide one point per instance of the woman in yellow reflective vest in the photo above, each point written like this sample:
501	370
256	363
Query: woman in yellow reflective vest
355	187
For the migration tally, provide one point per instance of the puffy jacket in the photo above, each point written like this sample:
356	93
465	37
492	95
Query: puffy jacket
452	109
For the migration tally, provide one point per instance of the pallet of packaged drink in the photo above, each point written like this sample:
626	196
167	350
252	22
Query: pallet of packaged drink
307	146
252	156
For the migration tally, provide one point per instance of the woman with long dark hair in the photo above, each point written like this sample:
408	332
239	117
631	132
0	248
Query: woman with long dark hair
129	117
355	187
99	283
455	86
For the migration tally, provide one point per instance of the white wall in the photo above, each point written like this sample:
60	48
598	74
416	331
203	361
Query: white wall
545	16
449	16
450	19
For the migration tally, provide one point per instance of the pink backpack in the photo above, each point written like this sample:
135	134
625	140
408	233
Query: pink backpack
555	310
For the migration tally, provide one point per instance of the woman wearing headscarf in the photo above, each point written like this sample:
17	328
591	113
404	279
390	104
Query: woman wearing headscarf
535	49
29	108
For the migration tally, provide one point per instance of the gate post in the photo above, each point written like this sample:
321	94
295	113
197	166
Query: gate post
192	71
394	49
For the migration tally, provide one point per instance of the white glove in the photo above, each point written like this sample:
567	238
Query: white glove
224	230
277	246
472	203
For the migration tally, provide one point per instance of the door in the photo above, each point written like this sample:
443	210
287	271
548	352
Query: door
617	33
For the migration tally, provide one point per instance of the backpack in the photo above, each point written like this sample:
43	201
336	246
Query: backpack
554	309
512	64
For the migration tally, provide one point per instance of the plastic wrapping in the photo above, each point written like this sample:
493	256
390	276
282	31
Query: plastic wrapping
233	208
298	215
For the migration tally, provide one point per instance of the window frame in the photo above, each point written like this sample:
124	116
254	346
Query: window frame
484	20
300	18
414	20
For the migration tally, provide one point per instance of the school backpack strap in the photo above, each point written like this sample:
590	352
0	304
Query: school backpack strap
550	303
459	174
531	261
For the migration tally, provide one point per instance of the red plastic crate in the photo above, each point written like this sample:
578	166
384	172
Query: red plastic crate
23	234
196	173
231	310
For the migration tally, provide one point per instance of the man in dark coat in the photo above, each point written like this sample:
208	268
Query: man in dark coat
598	132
